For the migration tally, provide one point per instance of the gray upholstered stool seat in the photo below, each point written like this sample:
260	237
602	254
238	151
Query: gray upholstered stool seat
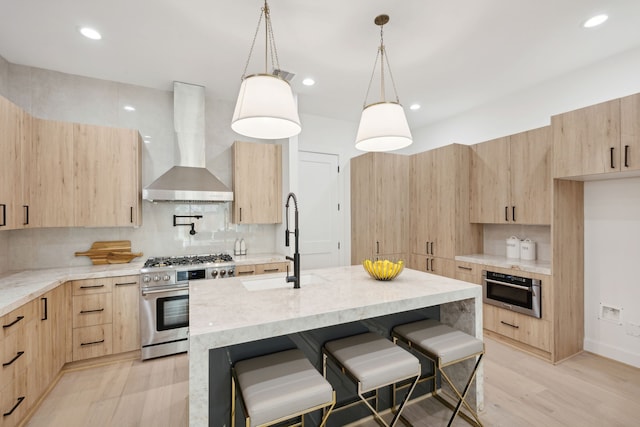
373	361
279	387
444	346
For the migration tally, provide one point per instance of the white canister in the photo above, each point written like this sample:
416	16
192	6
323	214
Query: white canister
528	250
513	247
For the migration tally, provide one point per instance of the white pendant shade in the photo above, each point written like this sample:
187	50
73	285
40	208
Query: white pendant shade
266	108
383	127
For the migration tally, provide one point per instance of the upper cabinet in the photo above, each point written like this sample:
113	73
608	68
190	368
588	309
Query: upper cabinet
439	209
511	179
257	183
50	174
14	128
379	206
107	176
599	139
59	174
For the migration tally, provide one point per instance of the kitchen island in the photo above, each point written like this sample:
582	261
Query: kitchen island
226	314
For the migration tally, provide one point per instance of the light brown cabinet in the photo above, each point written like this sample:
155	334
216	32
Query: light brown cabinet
379	206
257	183
105	316
601	138
439	209
50	183
126	314
511	179
265	268
14	127
107	176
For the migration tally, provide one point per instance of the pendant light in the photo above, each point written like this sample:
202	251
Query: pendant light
266	108
383	124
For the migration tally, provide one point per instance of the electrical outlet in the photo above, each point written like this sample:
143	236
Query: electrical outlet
610	314
633	329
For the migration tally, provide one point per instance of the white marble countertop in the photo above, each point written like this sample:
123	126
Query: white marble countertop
258	259
21	287
224	312
537	266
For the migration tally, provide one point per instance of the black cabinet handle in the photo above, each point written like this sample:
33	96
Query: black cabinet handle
432	259
509	324
126	283
626	156
131	215
26	214
377	248
271	270
46	308
427	265
20	399
506	213
462	267
19	318
513	213
91	343
10	362
240	215
92	287
91	311
4	215
431	244
611	155
426	248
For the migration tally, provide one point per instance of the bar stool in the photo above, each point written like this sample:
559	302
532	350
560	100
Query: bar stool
372	361
279	387
444	346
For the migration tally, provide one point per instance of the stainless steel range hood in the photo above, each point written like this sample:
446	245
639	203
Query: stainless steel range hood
191	181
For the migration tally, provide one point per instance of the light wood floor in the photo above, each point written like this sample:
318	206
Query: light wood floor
520	391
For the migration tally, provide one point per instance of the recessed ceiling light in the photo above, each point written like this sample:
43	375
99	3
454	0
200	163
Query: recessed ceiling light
308	81
129	108
414	107
594	21
90	33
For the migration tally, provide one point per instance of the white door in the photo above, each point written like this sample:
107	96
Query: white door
318	209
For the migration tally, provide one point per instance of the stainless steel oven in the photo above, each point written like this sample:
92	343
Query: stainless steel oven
164	299
520	294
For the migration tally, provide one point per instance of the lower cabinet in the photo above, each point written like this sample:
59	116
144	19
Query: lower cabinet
105	316
267	268
440	266
518	327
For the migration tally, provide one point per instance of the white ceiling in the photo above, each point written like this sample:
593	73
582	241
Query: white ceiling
449	56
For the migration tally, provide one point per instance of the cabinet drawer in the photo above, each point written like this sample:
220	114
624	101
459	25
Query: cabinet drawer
92	309
522	328
245	270
14	401
274	267
92	286
469	272
92	341
17	351
17	319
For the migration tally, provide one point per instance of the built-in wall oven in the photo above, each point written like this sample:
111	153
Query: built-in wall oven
164	299
520	294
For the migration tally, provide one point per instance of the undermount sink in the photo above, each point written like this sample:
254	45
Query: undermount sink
280	282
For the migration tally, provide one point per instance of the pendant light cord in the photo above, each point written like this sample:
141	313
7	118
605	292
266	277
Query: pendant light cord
270	43
384	57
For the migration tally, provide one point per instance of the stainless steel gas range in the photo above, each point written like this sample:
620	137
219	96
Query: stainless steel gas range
164	299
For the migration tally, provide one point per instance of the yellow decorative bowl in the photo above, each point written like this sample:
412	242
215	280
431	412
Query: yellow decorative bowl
383	269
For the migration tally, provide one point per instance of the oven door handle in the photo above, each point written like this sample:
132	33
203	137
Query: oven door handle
496	282
164	290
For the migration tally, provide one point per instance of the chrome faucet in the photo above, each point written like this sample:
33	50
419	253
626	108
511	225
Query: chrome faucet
296	254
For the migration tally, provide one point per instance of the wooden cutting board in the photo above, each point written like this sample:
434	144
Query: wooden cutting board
110	252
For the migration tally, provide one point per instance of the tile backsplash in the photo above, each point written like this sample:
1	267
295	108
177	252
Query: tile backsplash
495	236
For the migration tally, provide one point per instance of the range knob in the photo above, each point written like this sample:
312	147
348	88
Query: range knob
156	278
146	278
166	278
214	273
223	273
230	272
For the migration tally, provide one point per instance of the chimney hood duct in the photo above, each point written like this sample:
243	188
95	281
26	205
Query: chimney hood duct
191	181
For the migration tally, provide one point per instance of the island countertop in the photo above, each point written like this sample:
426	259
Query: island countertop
223	312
